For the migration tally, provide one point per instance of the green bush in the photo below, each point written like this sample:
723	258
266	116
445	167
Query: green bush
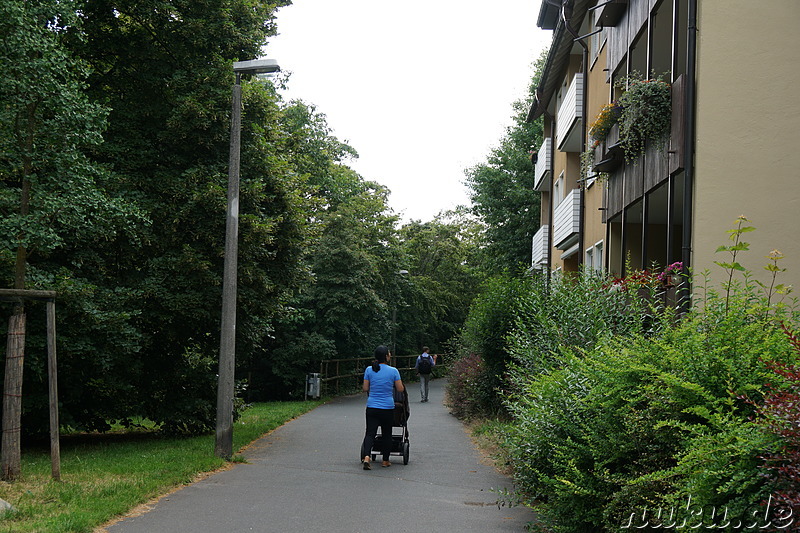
620	409
571	311
640	422
478	376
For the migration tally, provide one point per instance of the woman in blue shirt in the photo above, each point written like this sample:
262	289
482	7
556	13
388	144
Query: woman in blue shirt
380	382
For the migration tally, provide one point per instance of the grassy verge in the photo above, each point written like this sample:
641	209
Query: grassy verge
487	434
104	476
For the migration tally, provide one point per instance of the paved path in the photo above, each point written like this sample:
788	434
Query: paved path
306	477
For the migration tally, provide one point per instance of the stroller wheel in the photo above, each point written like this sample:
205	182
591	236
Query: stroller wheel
405	452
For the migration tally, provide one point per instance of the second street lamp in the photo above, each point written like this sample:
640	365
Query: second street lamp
223	446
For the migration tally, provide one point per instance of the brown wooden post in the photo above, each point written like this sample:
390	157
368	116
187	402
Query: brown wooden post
52	373
10	457
322	382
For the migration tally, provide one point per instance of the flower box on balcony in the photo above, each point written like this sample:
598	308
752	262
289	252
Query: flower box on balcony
608	155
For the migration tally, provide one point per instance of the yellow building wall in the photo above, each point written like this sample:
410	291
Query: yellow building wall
569	164
599	91
748	133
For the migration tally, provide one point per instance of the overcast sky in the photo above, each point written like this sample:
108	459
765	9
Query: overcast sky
422	89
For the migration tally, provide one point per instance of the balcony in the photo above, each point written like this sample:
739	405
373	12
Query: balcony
610	13
568	119
631	180
539	250
608	155
566	221
541	179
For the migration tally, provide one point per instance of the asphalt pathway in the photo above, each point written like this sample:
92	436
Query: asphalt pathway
306	476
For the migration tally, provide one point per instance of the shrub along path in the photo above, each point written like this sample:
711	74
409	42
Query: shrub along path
306	476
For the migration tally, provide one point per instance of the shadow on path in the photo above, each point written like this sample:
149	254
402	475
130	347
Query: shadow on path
306	476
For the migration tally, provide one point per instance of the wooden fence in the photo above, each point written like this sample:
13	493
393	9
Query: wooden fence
344	376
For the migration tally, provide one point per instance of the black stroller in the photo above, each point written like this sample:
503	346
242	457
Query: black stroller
399	437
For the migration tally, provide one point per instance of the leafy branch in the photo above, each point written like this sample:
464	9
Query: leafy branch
738	246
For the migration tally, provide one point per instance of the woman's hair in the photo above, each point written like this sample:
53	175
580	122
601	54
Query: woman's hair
380	357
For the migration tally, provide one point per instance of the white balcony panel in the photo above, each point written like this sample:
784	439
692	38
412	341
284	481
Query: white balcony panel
542	170
566	221
539	252
568	119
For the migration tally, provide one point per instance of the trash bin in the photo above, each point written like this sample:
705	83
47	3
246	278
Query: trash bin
313	385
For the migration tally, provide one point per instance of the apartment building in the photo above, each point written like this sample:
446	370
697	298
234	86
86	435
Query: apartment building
727	149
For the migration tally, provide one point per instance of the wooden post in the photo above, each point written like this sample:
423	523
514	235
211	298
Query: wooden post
11	441
10	457
52	373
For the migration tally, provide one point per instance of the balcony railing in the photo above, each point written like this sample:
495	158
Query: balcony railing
539	251
630	181
542	170
566	221
568	119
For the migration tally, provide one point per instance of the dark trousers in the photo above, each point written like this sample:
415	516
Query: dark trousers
383	418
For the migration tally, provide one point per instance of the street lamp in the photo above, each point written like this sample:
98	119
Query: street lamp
227	352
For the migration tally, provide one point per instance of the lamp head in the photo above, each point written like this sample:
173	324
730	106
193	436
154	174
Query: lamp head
256	66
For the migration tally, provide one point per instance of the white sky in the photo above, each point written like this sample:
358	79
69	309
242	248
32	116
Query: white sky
422	89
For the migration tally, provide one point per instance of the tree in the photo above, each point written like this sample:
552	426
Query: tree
501	190
140	295
443	279
52	197
350	257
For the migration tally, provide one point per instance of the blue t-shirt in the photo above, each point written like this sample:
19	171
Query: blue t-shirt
381	386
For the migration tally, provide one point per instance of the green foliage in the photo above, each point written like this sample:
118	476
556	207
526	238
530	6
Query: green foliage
778	416
352	257
52	196
646	113
443	279
130	230
610	426
483	342
642	422
571	311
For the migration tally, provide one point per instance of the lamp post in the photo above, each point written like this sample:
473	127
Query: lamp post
223	446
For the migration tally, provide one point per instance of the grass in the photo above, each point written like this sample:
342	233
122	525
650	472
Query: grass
105	476
488	435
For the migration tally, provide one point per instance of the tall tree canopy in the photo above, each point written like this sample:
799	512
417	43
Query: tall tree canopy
60	208
116	123
444	277
138	261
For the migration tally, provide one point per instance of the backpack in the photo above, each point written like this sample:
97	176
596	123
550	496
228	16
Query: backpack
425	365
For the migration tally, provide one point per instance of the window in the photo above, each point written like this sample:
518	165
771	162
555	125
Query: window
594	258
558	189
596	41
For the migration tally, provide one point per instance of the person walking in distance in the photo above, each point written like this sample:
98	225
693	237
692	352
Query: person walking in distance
424	366
380	382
